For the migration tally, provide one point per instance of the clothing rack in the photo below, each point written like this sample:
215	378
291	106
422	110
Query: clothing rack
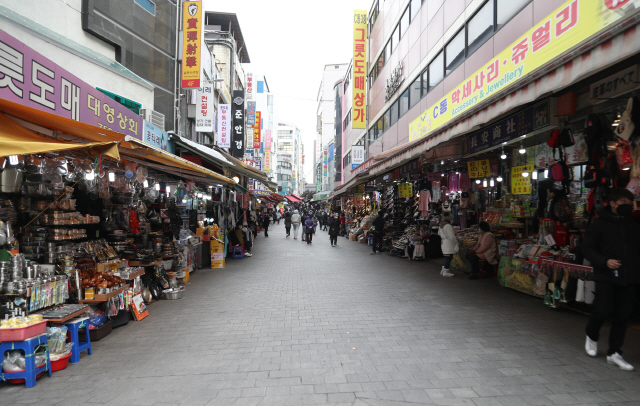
577	271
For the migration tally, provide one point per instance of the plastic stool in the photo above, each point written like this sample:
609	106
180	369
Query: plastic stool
74	326
238	250
29	347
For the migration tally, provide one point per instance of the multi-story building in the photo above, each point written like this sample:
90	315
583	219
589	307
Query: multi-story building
327	117
288	158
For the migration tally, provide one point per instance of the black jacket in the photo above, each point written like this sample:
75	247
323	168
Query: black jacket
378	224
266	221
334	227
287	219
613	237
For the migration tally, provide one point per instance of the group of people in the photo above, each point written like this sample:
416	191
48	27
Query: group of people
309	221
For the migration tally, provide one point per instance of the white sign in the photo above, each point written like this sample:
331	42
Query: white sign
204	109
393	82
224	125
248	92
618	83
357	154
574	154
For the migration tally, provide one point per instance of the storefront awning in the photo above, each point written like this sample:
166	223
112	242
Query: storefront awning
17	140
320	196
293	199
564	72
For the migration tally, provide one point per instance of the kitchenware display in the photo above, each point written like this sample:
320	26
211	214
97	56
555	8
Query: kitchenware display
11	180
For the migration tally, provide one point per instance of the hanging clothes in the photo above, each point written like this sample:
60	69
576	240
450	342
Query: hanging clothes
464	182
423	204
453	182
435	191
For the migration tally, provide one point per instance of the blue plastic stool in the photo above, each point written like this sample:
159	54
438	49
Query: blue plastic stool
237	251
74	326
29	347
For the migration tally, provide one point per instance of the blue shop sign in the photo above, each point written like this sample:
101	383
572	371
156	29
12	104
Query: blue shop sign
514	126
158	138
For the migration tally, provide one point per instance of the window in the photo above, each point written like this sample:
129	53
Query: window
507	9
373	133
436	71
404	103
285	146
394	113
284	165
404	22
415	90
425	82
415	7
395	39
480	27
374	16
455	52
380	125
147	5
387	119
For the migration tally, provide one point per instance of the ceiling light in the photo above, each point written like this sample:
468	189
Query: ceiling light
504	143
626	169
484	183
522	150
441	162
534	175
199	195
145	183
112	177
546	173
168	190
90	176
157	186
503	156
478	181
457	173
499	178
525	174
492	182
442	174
524	136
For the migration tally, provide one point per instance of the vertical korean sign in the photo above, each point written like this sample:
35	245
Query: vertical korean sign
325	166
251	113
256	131
192	43
249	89
224	125
521	185
267	150
237	110
358	84
204	109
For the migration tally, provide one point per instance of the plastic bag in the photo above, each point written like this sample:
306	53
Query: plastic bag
57	338
14	361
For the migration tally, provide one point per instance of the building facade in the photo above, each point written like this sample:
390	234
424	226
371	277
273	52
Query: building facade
289	172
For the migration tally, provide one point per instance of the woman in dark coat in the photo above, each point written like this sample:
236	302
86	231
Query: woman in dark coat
334	230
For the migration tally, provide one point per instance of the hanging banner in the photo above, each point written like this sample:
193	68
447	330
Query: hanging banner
237	110
267	161
204	109
405	190
249	88
357	154
569	25
577	153
192	44
251	113
325	166
358	84
521	185
479	169
267	140
256	131
224	126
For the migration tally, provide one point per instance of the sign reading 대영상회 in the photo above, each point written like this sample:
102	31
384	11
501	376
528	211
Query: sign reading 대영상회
570	24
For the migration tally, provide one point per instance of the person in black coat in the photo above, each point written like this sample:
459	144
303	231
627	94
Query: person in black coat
325	221
265	223
334	230
612	246
287	222
378	229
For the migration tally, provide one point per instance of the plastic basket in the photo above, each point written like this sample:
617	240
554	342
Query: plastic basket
60	363
23	333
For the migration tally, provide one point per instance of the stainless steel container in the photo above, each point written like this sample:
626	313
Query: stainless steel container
11	180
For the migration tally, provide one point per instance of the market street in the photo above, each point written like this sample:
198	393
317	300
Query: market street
298	325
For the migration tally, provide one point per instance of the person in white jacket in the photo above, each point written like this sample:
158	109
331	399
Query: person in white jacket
295	222
449	243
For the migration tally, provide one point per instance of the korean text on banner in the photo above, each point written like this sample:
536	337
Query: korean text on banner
30	79
237	134
192	44
204	109
224	125
256	131
267	140
357	154
267	161
521	185
358	84
567	26
251	113
249	90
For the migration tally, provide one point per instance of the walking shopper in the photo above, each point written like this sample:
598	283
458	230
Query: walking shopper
315	223
325	220
448	243
265	224
378	229
485	249
287	222
309	224
343	224
334	230
295	222
611	245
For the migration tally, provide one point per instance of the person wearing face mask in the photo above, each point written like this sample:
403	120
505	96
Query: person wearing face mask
612	244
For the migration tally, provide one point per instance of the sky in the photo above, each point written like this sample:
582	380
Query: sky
290	42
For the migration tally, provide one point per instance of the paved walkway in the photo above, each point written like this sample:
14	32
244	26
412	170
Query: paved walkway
315	325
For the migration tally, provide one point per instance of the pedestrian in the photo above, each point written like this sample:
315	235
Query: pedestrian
295	222
611	246
248	240
242	241
485	250
287	223
334	230
309	224
378	229
449	243
265	224
343	224
325	220
315	223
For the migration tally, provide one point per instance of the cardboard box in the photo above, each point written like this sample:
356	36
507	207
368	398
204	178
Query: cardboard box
217	264
217	256
216	246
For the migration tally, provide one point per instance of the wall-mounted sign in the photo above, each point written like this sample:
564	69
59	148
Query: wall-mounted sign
359	82
479	169
618	83
567	26
251	113
157	137
204	109
192	44
256	131
224	125
405	190
237	110
393	82
357	154
249	87
521	185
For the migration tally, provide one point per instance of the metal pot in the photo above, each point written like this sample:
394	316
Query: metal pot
11	180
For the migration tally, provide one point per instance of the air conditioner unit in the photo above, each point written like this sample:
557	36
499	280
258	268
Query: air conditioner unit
153	117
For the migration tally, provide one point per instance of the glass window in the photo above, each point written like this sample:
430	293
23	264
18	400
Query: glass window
404	22
425	82
404	103
480	27
387	50
395	39
436	71
507	9
372	134
380	125
394	113
455	52
387	119
415	89
415	7
147	5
